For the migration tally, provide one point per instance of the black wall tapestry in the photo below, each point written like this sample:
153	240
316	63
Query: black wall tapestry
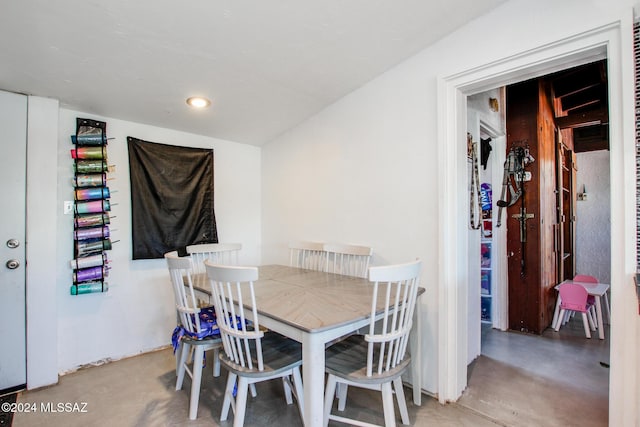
171	198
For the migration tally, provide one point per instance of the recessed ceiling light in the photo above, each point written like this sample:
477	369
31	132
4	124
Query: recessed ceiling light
198	102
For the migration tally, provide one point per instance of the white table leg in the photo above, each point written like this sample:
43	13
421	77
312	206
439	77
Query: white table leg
313	379
599	313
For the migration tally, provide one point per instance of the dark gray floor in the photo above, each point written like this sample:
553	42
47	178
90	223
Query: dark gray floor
556	379
520	380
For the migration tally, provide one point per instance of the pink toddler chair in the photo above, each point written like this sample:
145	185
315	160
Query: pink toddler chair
586	279
592	300
574	297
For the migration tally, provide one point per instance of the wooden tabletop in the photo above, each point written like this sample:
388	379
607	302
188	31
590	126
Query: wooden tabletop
311	301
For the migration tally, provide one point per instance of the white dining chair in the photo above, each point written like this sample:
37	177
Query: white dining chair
309	255
219	253
349	260
196	330
251	355
377	360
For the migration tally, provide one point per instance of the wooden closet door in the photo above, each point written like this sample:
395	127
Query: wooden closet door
532	263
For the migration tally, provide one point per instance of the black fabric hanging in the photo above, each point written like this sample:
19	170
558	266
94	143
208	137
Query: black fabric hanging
171	198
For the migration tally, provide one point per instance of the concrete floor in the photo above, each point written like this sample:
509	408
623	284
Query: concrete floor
520	380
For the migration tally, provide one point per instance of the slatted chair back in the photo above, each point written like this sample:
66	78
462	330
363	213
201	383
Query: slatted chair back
251	355
377	360
395	289
180	270
309	255
349	260
219	253
241	334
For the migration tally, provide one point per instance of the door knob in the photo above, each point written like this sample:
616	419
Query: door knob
12	264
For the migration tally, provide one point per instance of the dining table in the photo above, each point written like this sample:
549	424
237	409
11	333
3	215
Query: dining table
316	308
599	291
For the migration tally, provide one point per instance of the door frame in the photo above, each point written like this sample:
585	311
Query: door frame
44	275
614	42
13	283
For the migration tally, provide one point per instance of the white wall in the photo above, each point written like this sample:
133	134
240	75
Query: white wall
364	170
137	314
360	172
593	216
41	250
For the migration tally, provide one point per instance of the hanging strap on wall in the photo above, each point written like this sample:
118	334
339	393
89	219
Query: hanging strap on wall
475	206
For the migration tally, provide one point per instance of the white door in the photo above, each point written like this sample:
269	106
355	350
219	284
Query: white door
13	147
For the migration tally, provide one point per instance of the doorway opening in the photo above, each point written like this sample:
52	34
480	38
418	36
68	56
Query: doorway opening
579	246
572	106
591	46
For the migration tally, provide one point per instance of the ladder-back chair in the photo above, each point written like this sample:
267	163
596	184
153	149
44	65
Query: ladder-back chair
251	355
196	330
377	360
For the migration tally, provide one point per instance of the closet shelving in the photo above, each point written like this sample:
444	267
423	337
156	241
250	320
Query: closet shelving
486	293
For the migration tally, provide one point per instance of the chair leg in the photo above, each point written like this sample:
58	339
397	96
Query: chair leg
216	362
341	394
592	319
228	397
556	313
287	391
569	315
299	389
565	318
585	322
241	402
178	355
328	398
387	405
184	353
560	319
402	402
196	379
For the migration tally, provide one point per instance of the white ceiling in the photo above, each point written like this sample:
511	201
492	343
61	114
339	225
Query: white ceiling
266	65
